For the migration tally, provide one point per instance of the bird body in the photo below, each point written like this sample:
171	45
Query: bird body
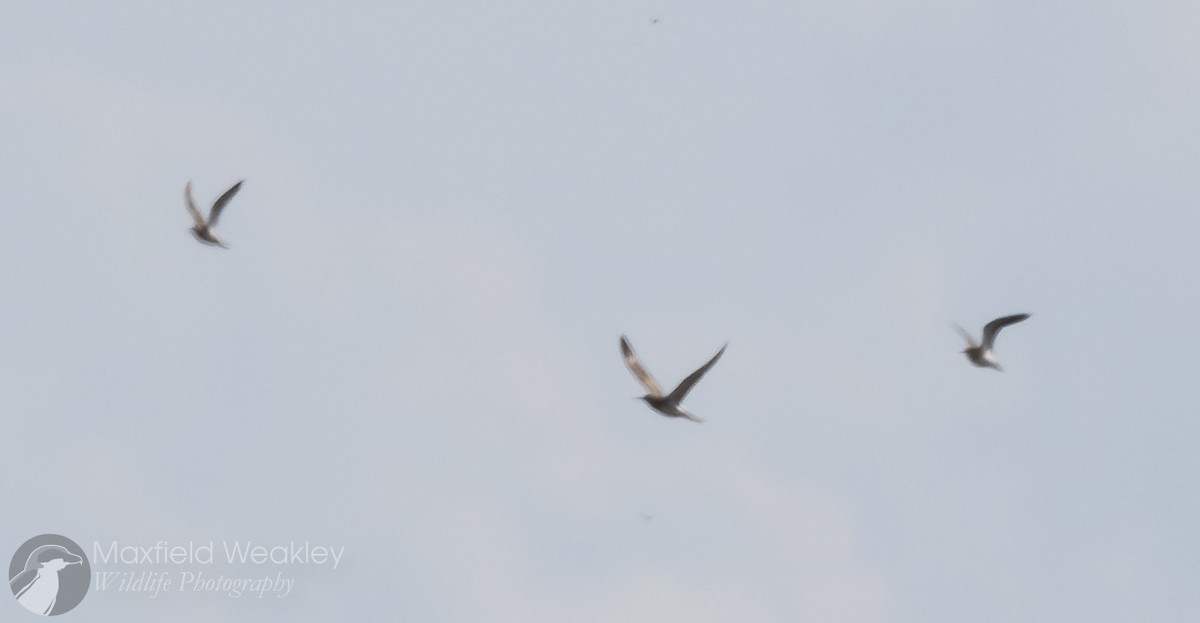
666	404
981	354
41	594
206	236
982	358
203	229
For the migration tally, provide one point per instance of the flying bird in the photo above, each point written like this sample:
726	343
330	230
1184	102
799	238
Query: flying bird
203	230
981	354
668	404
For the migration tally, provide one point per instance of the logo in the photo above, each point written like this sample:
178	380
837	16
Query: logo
49	574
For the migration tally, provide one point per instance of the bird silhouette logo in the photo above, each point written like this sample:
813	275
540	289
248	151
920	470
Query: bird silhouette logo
49	574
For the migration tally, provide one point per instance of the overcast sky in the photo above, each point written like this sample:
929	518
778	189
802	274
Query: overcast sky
453	209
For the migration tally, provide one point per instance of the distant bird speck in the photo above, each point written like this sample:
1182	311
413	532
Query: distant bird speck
654	20
981	354
204	230
667	405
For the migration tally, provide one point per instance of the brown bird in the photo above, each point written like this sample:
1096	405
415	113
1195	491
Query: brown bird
668	404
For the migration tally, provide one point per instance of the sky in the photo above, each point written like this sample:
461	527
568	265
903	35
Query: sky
453	210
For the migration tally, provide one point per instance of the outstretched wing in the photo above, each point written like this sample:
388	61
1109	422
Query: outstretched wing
991	329
966	336
685	385
191	205
635	366
215	213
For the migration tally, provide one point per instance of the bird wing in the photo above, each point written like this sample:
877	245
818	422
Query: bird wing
991	329
966	336
191	205
685	385
635	366
219	205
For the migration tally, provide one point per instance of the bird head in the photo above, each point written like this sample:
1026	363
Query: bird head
58	558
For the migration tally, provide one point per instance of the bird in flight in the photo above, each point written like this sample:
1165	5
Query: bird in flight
203	230
981	354
667	404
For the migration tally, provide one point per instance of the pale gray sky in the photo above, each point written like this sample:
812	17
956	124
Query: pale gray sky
452	211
